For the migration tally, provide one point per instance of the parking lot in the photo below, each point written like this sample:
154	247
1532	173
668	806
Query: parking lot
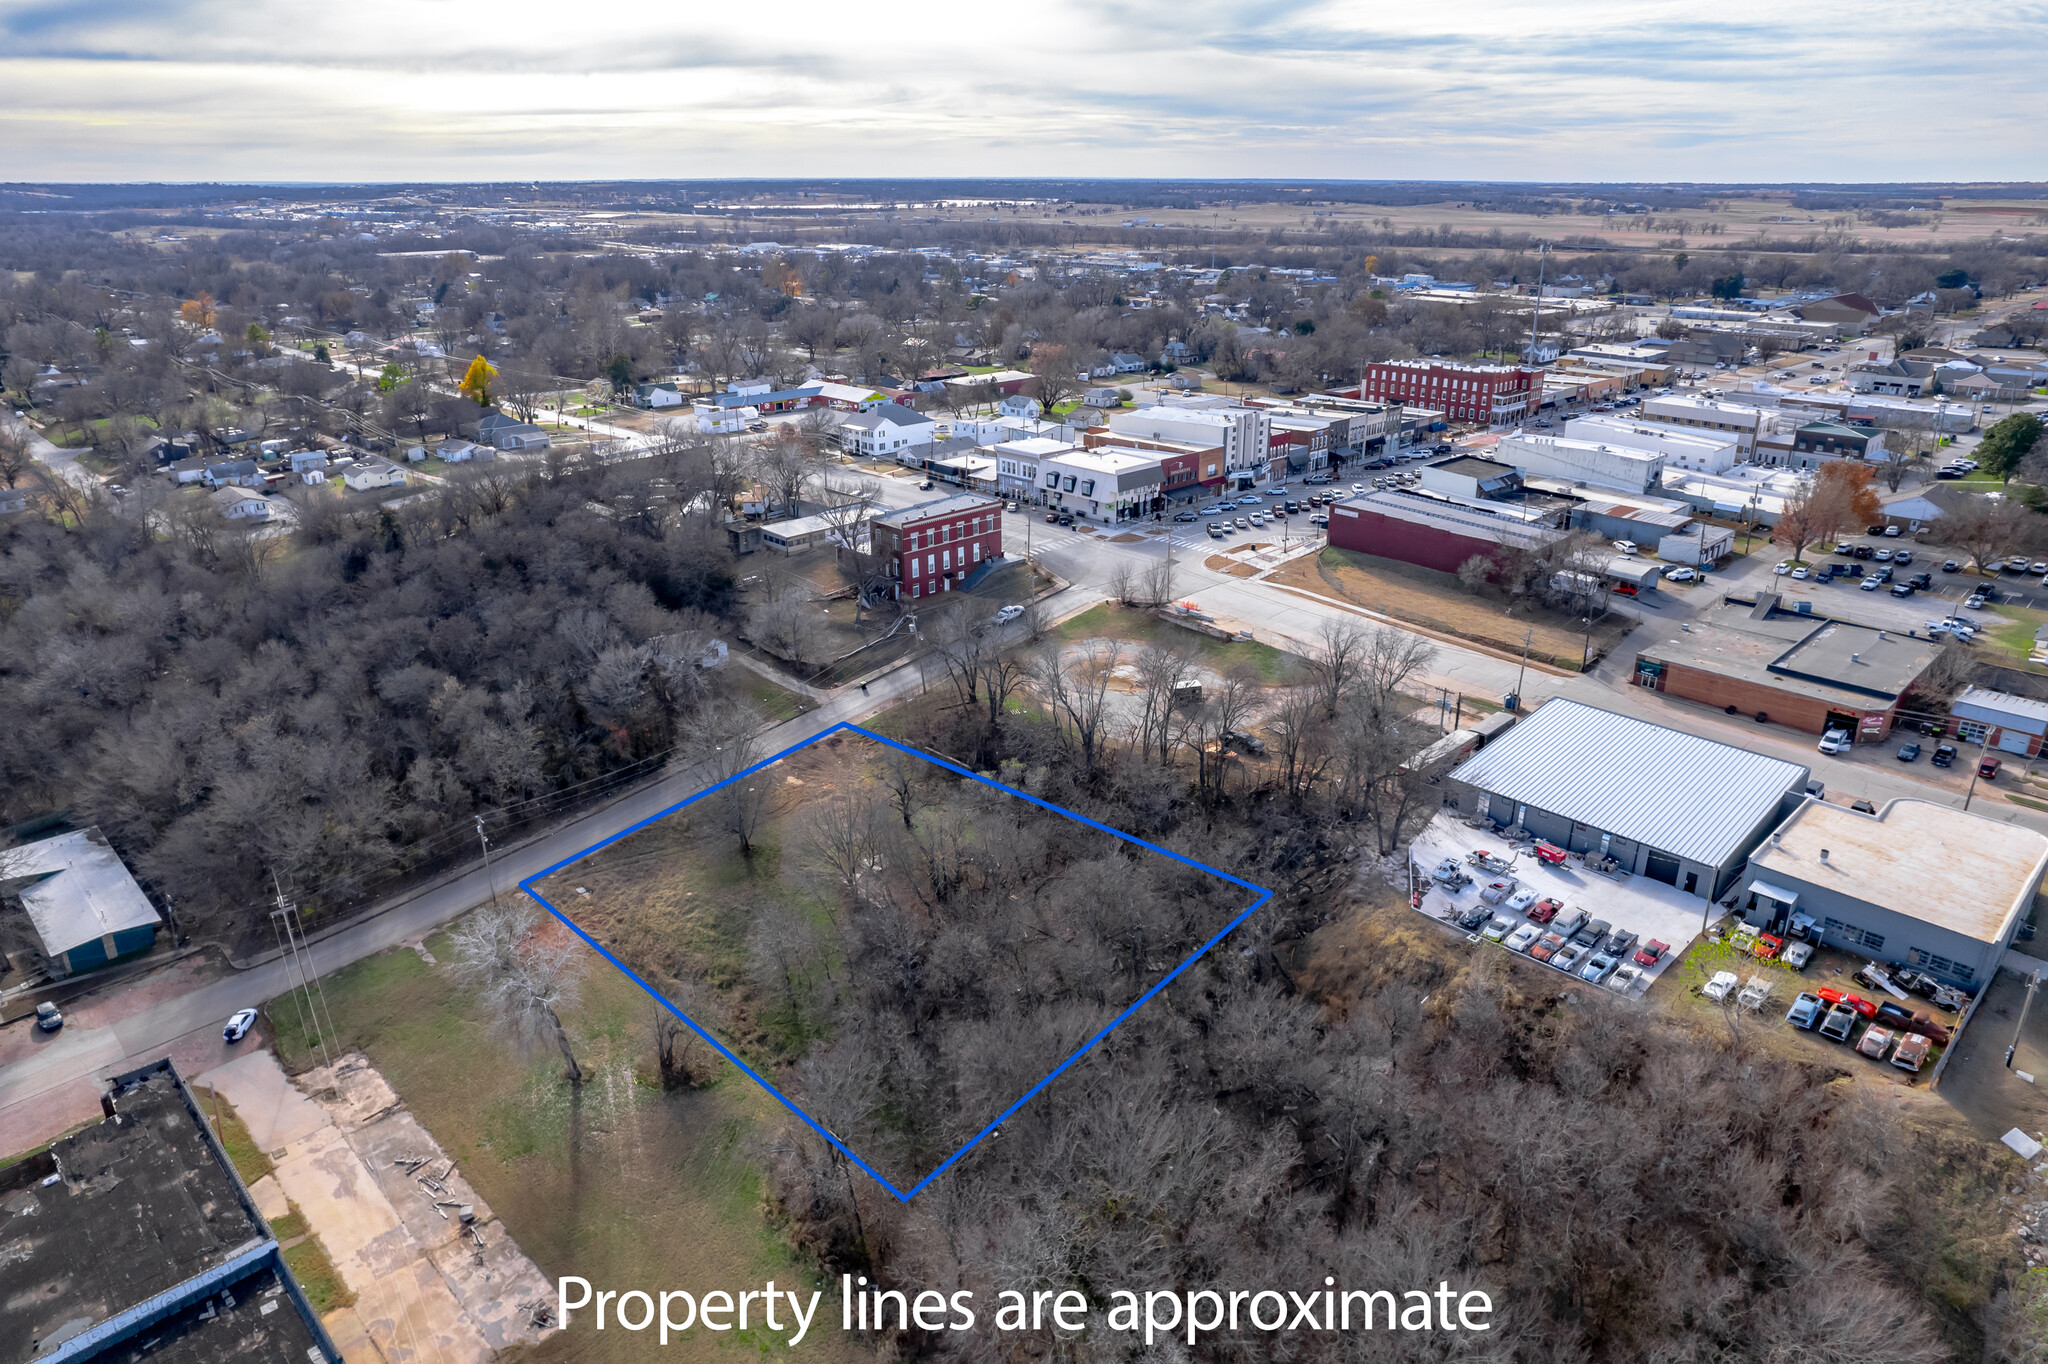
1943	597
1651	909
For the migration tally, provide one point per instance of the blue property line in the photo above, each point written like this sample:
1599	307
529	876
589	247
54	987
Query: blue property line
1264	895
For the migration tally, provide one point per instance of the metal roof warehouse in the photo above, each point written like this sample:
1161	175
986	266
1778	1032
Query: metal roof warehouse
1684	810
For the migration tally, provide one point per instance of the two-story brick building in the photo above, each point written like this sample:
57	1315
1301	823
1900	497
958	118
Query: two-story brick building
1490	394
933	546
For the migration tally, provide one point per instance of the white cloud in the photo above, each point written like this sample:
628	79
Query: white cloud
1578	90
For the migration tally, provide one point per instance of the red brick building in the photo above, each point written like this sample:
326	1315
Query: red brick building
932	546
1492	395
1182	465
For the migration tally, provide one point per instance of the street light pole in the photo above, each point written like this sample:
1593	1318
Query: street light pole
2033	984
490	877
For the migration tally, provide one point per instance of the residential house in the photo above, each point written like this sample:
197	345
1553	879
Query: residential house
508	433
1904	378
1816	443
13	500
1104	398
658	396
463	452
890	430
373	473
1020	406
239	473
239	504
302	460
1127	363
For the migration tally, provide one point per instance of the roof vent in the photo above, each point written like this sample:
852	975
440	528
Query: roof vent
1881	634
1855	658
1823	854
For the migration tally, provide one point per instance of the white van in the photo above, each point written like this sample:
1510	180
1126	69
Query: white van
1836	741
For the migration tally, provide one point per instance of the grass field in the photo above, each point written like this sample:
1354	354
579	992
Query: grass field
1109	621
1435	601
616	1180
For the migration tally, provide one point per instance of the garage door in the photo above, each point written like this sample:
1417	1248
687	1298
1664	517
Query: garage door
1662	867
2012	741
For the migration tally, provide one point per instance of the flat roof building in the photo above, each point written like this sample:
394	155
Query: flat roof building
1619	468
1793	667
1921	883
1741	424
1437	530
1665	804
135	1238
1687	448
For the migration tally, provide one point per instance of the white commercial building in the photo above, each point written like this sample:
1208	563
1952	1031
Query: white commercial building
1017	464
1106	484
1242	432
1593	463
1747	492
1682	447
1739	423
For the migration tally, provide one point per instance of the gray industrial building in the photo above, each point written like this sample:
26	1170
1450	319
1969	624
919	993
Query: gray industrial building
1677	808
1936	888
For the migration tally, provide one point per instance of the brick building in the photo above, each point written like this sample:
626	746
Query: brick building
1796	668
1490	394
934	545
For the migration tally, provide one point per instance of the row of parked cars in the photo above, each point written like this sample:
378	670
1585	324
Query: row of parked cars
1563	937
1892	1032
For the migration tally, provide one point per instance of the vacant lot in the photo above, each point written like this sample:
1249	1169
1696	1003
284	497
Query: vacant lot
615	1181
1110	621
1435	601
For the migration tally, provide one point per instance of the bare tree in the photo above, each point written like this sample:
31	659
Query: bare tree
790	625
724	746
526	969
1077	691
1161	671
786	466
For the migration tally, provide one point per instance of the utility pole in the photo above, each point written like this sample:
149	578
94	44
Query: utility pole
1983	751
1536	312
1527	635
489	877
2033	984
285	921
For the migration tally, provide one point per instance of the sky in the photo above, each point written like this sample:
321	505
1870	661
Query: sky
1574	90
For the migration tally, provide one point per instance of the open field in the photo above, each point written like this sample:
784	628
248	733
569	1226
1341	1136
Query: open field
1110	621
1435	601
615	1181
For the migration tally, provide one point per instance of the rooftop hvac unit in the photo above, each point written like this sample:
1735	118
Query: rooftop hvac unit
1804	608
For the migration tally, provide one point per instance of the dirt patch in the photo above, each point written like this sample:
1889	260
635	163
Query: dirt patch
1434	600
1127	539
1217	563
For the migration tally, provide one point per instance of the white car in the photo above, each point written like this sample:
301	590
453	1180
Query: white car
1006	615
1624	547
1625	979
1783	568
1680	575
1520	901
1498	929
1720	986
239	1025
1250	500
1279	491
1836	741
1802	572
1521	938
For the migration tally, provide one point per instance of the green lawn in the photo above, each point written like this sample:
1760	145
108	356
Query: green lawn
614	1180
1108	620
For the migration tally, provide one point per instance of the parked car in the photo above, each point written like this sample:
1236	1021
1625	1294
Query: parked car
1882	555
1987	768
1006	615
48	1019
1473	917
1625	979
1185	516
1904	556
1912	1051
1547	946
1766	947
1720	986
1250	743
1805	1012
1651	952
1923	581
1950	566
1543	911
1909	753
1521	901
1568	922
1451	872
1624	547
1593	932
1797	954
1875	1043
1837	1024
1802	573
1944	755
1784	567
1568	957
239	1024
1523	938
1498	929
1619	944
1681	575
1598	968
1903	589
1894	1015
1836	741
1250	500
